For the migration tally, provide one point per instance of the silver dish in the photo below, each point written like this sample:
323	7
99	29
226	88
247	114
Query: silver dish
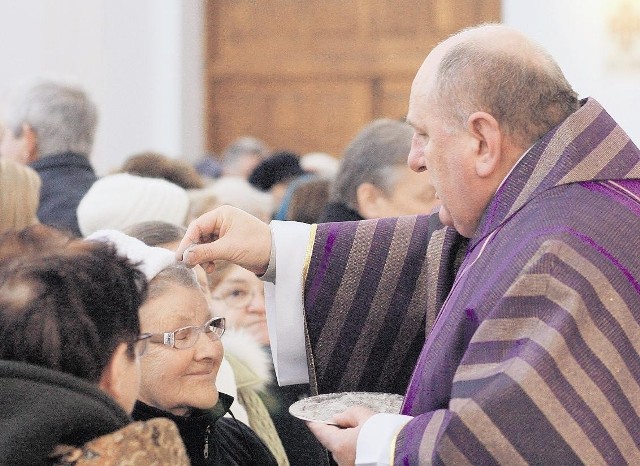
322	408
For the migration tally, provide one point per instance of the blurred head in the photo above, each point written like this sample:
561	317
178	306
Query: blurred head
121	200
320	163
154	165
167	235
243	155
19	195
176	379
233	191
44	117
306	199
238	296
275	173
374	179
480	99
71	306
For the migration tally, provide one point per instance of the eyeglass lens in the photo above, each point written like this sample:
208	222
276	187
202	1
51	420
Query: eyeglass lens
187	337
141	344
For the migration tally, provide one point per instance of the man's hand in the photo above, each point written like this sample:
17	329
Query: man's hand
341	441
227	233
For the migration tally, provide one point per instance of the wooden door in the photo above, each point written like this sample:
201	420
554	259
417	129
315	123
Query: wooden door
306	75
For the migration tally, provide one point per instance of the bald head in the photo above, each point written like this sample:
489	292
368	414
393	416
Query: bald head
498	70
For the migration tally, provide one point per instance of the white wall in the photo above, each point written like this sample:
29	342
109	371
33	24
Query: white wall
577	33
139	59
142	62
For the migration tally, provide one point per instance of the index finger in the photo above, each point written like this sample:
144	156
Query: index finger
323	432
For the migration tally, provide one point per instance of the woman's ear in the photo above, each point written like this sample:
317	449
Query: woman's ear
117	378
488	136
368	198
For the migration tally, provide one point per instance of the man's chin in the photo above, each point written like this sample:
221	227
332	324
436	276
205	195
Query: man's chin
445	216
447	219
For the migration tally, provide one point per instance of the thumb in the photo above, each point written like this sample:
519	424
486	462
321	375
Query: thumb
204	254
353	417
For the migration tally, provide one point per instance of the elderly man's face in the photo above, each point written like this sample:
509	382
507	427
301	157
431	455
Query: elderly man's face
173	379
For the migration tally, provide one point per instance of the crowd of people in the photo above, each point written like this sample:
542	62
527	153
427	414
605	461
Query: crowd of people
475	257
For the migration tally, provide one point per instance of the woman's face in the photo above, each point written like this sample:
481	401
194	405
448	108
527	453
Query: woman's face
239	298
173	379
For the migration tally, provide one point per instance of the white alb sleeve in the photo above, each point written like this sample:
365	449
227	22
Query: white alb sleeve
377	437
284	302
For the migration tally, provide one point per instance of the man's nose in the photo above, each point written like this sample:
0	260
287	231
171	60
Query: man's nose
416	160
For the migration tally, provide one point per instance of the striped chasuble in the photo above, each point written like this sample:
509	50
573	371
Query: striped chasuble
527	351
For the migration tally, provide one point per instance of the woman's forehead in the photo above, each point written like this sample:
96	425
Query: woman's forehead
240	275
176	307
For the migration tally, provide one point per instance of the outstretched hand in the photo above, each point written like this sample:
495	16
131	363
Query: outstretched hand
226	233
341	440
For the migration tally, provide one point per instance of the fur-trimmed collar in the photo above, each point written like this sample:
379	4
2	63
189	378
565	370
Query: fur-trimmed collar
251	362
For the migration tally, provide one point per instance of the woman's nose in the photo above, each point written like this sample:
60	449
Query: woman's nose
257	303
208	346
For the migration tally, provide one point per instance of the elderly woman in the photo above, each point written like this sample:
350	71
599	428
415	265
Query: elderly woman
248	365
70	345
182	360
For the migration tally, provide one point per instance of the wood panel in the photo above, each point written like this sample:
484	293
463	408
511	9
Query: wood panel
305	75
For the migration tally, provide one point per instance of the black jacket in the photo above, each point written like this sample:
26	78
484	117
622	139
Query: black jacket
66	178
339	212
211	439
41	408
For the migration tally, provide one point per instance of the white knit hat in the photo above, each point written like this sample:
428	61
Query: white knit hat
151	260
121	200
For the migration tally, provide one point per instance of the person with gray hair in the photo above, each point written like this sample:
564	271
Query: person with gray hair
242	156
50	125
374	180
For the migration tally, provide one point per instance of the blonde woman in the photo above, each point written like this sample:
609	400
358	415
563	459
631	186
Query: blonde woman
19	195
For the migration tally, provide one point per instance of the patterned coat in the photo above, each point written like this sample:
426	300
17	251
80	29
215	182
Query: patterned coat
533	358
151	443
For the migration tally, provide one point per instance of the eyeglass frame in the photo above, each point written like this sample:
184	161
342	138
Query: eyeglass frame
169	338
143	339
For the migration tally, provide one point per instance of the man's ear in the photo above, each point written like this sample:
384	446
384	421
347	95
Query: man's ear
368	198
30	143
487	134
114	380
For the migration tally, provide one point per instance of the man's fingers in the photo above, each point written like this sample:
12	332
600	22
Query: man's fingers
341	442
324	433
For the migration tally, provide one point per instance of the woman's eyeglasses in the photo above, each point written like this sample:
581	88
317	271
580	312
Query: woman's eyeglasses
186	337
140	345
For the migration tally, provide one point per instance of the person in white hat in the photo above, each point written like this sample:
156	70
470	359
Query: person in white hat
120	200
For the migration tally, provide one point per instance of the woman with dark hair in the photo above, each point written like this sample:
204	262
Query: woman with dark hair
70	344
